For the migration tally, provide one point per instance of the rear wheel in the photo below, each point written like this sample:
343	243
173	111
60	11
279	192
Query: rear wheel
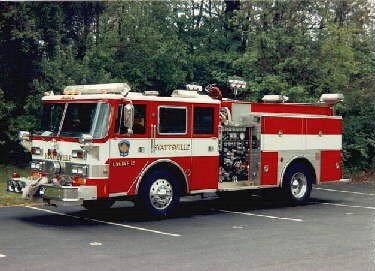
297	183
159	193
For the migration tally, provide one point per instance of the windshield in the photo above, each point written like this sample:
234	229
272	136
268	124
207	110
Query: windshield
75	119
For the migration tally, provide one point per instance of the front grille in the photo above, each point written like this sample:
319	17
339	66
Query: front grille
54	167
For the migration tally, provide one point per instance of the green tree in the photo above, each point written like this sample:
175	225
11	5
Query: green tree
296	48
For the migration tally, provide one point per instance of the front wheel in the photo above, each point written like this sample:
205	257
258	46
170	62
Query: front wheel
297	183
159	193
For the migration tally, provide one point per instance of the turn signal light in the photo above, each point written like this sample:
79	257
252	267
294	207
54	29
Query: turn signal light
77	181
36	174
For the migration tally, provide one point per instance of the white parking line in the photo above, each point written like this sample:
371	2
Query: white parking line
351	206
107	222
95	244
265	216
2	256
344	191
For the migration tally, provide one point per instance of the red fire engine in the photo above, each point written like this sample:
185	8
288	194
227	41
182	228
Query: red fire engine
103	143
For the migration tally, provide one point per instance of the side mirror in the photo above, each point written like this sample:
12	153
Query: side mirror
25	140
129	117
24	135
85	139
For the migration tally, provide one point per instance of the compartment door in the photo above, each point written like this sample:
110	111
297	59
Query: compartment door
330	165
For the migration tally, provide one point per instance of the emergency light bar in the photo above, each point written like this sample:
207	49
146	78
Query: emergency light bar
331	98
192	87
181	93
114	88
274	98
151	93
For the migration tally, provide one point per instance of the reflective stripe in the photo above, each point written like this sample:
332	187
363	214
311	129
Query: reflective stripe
300	142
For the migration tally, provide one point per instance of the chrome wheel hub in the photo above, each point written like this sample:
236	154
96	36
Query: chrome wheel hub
161	194
298	185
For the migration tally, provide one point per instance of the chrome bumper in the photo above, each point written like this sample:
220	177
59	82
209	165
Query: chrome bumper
68	195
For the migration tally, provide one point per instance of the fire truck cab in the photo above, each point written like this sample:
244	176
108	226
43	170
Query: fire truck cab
103	143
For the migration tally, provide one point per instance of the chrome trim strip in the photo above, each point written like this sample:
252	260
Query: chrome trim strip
117	194
203	191
291	160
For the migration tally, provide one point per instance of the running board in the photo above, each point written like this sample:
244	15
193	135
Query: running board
242	185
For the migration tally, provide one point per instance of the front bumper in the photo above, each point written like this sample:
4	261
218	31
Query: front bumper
68	195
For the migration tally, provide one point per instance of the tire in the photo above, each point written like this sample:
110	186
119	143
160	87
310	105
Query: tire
98	205
159	194
297	183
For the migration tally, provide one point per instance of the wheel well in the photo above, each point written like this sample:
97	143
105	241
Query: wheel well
307	163
174	169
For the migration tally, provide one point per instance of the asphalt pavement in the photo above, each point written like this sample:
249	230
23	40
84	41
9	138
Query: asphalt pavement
334	231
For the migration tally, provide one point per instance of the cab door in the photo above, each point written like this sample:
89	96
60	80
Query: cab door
171	134
129	152
205	147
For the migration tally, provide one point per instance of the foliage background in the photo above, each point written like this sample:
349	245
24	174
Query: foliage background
298	48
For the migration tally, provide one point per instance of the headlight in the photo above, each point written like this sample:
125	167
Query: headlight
37	165
53	167
79	170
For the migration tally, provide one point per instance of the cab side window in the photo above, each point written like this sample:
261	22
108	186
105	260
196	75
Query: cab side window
172	120
139	127
203	120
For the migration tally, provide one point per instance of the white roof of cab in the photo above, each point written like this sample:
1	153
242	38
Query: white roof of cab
121	91
134	96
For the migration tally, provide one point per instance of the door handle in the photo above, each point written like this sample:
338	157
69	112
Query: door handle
153	135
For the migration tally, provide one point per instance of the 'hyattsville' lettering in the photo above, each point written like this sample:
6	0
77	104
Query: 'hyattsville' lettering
172	147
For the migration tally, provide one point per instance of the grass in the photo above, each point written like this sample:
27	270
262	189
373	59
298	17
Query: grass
7	198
